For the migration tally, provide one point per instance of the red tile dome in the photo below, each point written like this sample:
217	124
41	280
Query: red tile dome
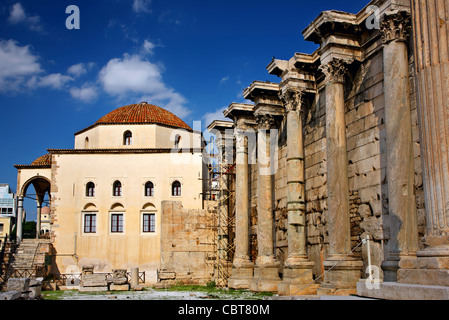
42	161
142	113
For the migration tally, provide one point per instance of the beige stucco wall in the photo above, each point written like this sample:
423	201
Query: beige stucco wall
143	136
132	248
6	222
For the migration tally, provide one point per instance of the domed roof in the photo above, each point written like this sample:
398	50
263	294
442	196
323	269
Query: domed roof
142	113
42	161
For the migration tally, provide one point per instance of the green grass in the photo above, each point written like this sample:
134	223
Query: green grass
214	291
210	291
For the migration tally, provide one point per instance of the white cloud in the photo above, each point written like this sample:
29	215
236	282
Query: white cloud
77	70
209	117
80	69
224	79
133	74
17	15
54	80
17	65
140	6
148	46
87	93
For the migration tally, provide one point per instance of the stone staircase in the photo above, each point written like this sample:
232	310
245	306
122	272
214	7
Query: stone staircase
24	257
25	260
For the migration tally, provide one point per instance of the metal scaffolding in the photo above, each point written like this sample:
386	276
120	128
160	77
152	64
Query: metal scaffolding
220	205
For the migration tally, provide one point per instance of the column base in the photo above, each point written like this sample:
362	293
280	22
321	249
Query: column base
390	270
266	277
298	278
241	275
341	276
429	267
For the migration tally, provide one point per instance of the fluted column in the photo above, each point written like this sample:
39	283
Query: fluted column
266	277
297	267
403	240
431	30
343	271
337	160
242	271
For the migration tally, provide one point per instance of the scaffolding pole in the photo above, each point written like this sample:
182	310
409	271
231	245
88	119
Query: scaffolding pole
220	206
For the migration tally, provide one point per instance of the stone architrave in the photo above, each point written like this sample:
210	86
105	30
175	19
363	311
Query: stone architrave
242	270
403	242
266	271
342	269
297	271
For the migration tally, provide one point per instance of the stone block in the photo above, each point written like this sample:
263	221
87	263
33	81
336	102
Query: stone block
94	280
119	287
10	295
93	289
18	284
403	291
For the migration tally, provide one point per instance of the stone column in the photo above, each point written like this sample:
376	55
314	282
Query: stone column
19	219
242	270
403	240
342	271
38	216
431	31
297	268
266	272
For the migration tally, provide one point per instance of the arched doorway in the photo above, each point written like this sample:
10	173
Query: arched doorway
42	196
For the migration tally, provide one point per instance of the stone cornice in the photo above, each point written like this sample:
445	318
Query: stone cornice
220	125
329	23
124	150
395	26
24	166
260	88
237	110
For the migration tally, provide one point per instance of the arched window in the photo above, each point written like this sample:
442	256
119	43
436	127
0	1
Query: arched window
90	189
177	141
117	189
127	138
86	143
149	189
176	188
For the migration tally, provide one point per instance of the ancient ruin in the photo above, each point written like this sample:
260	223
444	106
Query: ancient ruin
332	181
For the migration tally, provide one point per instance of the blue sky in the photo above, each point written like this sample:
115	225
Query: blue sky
192	57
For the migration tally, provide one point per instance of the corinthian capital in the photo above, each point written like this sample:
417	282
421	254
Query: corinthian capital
293	99
395	26
335	70
265	121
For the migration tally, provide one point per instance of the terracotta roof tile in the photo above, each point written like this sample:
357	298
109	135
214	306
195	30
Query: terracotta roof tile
42	161
143	113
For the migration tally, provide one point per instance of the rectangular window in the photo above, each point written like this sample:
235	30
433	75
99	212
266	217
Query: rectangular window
90	223
149	222
117	223
1	227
